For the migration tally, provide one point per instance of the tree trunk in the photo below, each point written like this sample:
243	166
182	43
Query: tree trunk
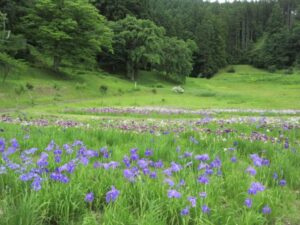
56	63
130	70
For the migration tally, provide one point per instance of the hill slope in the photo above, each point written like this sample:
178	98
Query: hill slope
246	88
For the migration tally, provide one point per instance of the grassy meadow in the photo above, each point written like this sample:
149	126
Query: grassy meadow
87	148
144	198
247	88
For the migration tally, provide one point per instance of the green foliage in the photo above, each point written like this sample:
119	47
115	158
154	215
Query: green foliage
20	89
289	71
211	54
154	91
80	86
230	70
136	44
9	46
118	9
68	29
272	69
103	89
29	86
176	58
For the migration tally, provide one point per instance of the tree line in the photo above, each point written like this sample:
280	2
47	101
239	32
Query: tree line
177	38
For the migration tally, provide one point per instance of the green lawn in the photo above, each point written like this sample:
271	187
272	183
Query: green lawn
247	88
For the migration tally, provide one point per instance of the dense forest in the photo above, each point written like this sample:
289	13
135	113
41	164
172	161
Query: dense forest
177	38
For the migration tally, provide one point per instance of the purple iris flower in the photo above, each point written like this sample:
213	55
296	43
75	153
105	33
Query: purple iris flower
266	210
175	167
202	194
275	176
126	161
205	209
251	171
68	149
185	211
36	184
153	175
209	171
187	154
248	202
204	157
129	175
112	195
233	159
89	197
255	187
14	143
142	163
216	163
203	179
148	153
59	177
2	170
170	182
168	172
282	182
173	194
2	145
27	176
50	146
192	200
30	151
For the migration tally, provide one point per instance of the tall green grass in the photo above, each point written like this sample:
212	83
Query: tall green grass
146	201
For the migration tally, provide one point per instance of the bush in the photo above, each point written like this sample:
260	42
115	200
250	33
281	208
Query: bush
230	70
20	89
178	90
103	89
80	86
289	71
56	86
154	91
29	86
159	86
134	90
120	90
207	94
272	69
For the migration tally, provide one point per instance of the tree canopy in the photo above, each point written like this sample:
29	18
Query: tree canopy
67	29
129	35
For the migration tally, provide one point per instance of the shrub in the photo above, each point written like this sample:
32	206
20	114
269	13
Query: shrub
178	90
29	86
20	89
272	69
159	86
289	71
134	90
80	86
103	89
56	86
207	94
230	70
154	91
120	90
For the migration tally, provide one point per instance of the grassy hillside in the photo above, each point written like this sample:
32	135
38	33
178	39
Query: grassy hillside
246	88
